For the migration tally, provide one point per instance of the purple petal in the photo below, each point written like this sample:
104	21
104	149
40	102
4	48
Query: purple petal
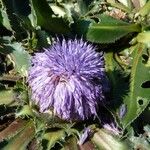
69	77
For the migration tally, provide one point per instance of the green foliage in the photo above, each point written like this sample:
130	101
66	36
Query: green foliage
13	129
118	80
16	11
41	10
53	137
4	17
81	27
25	111
109	30
28	26
22	139
145	9
143	37
6	97
20	58
138	97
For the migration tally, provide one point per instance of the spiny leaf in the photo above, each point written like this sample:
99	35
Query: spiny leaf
50	120
20	57
13	129
22	139
4	17
16	10
109	30
25	111
54	137
6	97
118	80
138	97
143	37
45	17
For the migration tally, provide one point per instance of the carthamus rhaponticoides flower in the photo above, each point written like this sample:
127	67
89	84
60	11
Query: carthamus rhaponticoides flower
69	77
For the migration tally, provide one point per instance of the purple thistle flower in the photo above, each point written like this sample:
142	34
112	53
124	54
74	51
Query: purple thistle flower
68	77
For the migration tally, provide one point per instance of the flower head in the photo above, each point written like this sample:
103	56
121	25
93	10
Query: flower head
69	78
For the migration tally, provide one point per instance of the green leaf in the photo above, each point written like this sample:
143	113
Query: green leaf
17	11
19	57
25	111
7	97
118	80
105	141
84	6
81	27
138	97
45	17
22	139
109	30
4	17
44	40
143	37
13	129
54	137
145	10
